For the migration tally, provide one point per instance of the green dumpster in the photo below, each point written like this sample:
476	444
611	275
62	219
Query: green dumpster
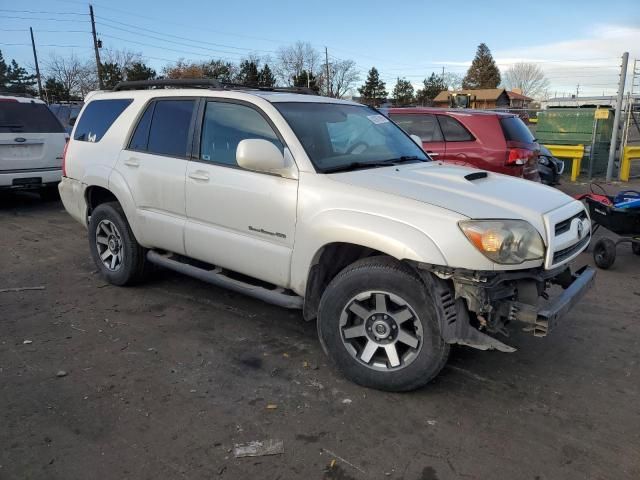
573	126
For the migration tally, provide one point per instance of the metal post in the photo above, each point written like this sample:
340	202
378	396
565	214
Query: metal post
35	58
616	118
95	47
593	144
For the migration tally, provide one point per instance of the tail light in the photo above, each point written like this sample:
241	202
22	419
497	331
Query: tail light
519	156
64	158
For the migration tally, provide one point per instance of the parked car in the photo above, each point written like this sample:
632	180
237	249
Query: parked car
323	205
494	141
550	168
67	113
31	144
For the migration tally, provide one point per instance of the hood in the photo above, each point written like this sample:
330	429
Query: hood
435	183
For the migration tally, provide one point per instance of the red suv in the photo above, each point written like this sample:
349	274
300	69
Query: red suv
494	141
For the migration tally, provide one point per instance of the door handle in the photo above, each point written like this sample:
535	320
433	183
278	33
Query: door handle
132	162
432	154
199	175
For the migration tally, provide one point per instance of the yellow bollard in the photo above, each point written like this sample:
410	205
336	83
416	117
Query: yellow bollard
629	153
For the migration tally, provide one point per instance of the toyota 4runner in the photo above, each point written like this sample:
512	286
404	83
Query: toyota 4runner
327	206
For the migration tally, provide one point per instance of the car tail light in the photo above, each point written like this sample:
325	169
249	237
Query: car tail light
8	100
64	158
519	156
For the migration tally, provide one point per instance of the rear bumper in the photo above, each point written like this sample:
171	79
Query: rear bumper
26	179
73	198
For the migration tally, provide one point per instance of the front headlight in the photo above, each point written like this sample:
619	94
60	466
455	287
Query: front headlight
504	241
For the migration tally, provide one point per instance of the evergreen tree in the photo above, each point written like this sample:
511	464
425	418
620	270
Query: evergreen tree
111	75
55	91
373	91
139	71
483	72
402	93
4	70
248	74
432	86
266	77
19	80
306	79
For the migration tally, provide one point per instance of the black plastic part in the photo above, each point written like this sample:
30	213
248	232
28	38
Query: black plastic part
209	83
618	220
549	317
476	176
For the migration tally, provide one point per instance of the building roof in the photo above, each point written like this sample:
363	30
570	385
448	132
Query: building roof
518	96
482	94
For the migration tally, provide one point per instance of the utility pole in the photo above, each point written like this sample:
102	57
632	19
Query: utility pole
326	62
95	47
616	117
577	90
35	58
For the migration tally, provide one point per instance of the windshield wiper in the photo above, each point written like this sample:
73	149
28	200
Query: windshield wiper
376	164
357	165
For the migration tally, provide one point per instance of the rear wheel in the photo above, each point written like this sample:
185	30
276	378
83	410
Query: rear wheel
604	253
379	324
635	246
114	248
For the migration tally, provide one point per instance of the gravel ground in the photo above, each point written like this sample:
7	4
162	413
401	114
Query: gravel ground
162	380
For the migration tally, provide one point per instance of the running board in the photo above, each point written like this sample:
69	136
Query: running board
277	296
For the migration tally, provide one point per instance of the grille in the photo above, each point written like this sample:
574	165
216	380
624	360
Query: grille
565	225
565	253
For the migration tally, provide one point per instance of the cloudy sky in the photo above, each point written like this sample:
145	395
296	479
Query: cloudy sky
578	44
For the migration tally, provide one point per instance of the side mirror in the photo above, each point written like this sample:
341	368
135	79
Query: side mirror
416	139
260	156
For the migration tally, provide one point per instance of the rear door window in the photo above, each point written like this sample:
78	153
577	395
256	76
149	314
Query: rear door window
22	117
170	126
422	125
453	130
515	130
98	117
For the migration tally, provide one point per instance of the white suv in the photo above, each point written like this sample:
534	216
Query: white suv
31	144
327	206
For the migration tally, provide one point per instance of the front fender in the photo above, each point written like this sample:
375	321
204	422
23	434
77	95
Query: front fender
394	238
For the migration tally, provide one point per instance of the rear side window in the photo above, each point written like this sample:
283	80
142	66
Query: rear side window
453	130
21	117
169	129
515	130
97	117
424	126
140	137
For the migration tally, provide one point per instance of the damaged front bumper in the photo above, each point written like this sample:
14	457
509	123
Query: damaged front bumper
477	305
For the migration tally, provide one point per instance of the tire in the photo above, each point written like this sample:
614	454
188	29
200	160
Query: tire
108	224
604	253
381	296
635	247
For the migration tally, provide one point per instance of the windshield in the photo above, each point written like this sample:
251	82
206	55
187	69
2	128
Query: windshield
337	137
22	117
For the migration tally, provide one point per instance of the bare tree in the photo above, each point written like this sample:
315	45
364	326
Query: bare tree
78	77
453	81
343	74
123	58
528	77
294	59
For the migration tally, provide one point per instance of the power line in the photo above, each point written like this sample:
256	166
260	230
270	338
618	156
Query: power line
42	45
40	12
164	34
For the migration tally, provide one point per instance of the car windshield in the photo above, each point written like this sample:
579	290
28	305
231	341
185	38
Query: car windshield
339	137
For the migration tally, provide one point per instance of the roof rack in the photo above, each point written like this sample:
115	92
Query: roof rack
209	83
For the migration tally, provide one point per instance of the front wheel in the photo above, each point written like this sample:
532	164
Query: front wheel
379	324
114	248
